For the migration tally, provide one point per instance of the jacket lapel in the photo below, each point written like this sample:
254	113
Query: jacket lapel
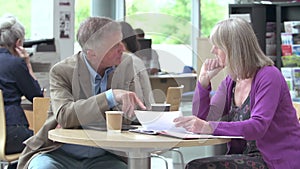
82	87
109	79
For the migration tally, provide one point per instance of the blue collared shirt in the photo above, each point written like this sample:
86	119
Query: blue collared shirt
97	80
99	85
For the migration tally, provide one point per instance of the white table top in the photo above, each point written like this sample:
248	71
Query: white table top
136	146
125	139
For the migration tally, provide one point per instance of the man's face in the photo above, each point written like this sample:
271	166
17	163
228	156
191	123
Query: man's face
113	56
114	52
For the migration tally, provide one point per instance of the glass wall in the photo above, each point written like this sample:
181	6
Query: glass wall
173	26
20	9
169	24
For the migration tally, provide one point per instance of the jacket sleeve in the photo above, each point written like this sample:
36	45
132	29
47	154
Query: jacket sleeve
25	82
209	107
146	90
131	75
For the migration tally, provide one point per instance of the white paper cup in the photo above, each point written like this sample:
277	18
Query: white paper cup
114	121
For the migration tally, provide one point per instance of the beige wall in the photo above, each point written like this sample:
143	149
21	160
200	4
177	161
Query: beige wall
204	48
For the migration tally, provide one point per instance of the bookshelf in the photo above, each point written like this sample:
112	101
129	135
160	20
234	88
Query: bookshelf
261	14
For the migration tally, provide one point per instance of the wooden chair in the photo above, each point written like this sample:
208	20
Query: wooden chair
41	106
174	95
4	158
29	115
297	107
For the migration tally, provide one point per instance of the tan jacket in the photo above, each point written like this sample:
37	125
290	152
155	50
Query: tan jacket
73	103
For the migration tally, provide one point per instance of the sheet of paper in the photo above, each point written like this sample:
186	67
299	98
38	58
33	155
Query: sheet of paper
164	122
189	135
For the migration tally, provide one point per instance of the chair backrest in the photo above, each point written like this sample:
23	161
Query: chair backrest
3	157
2	127
174	97
297	107
41	107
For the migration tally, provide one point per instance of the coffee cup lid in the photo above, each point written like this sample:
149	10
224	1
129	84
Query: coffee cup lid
114	112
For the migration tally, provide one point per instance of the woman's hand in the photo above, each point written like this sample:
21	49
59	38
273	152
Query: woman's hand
209	69
23	54
193	124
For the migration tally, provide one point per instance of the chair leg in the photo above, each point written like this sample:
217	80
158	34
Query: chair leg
161	157
2	165
180	155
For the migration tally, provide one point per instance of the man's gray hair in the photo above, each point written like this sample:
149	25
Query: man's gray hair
91	32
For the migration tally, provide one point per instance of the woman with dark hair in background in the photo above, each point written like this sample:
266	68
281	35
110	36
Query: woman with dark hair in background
137	69
149	55
129	38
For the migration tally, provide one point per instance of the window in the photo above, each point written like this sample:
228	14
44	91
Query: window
173	26
212	11
169	24
19	9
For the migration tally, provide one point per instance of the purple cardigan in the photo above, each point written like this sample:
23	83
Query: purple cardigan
273	122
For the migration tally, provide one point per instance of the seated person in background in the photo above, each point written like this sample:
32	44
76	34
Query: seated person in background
80	94
133	68
253	101
16	80
152	63
188	69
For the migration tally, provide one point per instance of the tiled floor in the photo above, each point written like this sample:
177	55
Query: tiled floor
159	164
172	159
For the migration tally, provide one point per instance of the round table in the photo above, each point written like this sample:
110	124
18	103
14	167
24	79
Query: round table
136	146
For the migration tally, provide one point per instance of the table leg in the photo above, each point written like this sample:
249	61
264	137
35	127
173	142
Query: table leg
138	160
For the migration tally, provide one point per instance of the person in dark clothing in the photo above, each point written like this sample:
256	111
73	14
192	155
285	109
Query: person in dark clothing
16	80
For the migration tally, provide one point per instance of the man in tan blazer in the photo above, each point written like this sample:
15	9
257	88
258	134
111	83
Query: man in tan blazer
76	103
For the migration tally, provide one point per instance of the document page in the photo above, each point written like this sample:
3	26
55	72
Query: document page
189	135
161	123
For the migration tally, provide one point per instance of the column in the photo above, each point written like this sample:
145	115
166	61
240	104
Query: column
114	9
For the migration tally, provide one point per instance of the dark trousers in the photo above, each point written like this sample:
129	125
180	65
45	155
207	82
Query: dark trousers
234	161
15	135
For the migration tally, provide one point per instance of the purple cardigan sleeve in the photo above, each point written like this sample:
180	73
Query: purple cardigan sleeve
212	108
264	101
201	101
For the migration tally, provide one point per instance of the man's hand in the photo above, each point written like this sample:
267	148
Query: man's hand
129	101
154	71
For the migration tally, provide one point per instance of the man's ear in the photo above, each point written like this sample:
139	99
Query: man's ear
124	46
90	53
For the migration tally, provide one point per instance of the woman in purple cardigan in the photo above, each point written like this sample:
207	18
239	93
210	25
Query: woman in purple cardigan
253	101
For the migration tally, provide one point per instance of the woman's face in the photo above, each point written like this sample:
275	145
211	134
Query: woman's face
220	54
